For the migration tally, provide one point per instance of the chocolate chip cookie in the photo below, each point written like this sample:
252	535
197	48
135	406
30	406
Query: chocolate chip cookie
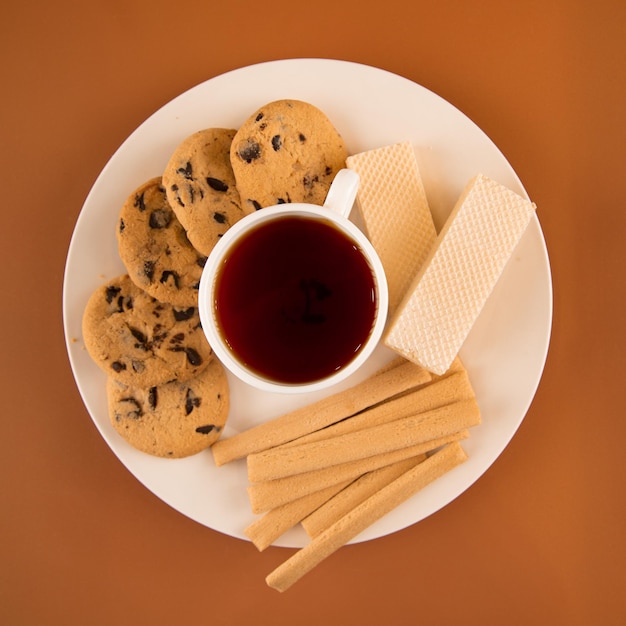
287	151
200	187
154	247
174	419
138	340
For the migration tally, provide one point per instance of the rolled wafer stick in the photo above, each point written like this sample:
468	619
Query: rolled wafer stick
266	529
353	494
440	392
400	433
364	515
274	493
325	412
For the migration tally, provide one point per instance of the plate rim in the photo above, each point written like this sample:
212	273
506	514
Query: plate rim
548	286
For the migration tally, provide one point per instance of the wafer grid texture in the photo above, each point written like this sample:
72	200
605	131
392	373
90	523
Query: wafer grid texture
394	207
450	291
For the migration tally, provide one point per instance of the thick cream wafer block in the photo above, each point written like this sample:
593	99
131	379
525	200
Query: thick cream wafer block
449	292
393	204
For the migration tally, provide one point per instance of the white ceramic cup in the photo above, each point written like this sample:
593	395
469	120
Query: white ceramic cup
335	210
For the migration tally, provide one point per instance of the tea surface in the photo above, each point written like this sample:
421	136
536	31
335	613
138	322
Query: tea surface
295	299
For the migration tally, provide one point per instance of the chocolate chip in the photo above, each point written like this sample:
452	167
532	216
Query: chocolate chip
174	188
186	171
160	218
249	151
140	202
191	401
137	411
277	143
220	218
178	338
328	171
167	274
148	269
201	261
216	184
152	397
110	293
181	316
308	181
142	340
192	194
158	339
122	226
193	357
257	205
259	117
118	367
301	137
205	430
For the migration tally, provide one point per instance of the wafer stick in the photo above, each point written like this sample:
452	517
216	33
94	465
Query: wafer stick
273	493
320	414
264	530
353	494
364	515
400	433
437	393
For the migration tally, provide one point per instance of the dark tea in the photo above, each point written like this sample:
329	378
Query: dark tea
295	299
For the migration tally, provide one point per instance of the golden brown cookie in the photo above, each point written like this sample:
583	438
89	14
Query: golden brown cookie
287	151
200	187
175	419
155	249
140	341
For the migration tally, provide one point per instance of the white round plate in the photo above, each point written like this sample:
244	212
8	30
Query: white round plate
504	354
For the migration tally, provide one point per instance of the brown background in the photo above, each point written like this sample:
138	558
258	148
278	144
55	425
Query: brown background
539	539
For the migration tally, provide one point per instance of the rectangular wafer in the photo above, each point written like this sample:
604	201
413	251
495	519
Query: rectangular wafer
364	515
450	290
394	207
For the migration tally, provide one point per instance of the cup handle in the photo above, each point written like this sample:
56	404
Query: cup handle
342	192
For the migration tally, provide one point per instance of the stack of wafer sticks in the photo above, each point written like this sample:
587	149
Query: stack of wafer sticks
340	464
